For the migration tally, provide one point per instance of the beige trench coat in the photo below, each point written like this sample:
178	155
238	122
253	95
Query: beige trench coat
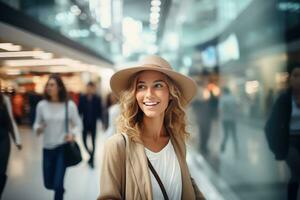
125	174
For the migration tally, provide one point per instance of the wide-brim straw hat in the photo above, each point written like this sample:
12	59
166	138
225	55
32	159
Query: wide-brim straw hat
120	81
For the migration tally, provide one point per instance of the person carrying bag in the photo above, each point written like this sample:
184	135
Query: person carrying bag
51	120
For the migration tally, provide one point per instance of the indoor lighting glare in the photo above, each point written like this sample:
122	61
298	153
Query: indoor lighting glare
155	9
75	10
10	47
152	49
37	62
44	56
251	87
13	72
131	27
35	54
154	15
105	13
154	21
154	26
155	3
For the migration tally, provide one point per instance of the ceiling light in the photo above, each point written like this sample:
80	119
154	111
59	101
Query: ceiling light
155	9
155	3
35	54
154	21
37	62
75	10
154	15
13	72
154	26
10	47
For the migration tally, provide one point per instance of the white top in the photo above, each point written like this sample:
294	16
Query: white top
9	110
167	167
113	113
295	119
52	115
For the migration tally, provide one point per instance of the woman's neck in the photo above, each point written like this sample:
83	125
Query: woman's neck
54	99
153	128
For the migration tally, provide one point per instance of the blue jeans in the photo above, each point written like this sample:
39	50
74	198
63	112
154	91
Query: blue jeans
54	171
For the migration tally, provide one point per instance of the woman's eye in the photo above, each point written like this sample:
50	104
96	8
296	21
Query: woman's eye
139	87
158	85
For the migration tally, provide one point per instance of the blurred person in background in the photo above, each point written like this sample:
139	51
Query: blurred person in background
90	109
113	113
204	116
108	104
33	99
18	107
7	127
51	122
146	159
283	129
228	108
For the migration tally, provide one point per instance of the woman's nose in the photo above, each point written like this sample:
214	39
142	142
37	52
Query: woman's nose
149	92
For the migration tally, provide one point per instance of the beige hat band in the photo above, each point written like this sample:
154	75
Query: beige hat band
157	66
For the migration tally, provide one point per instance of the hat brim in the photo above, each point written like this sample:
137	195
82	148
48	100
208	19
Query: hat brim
120	81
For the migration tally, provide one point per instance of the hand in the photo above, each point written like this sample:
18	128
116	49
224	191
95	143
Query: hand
19	146
69	137
40	129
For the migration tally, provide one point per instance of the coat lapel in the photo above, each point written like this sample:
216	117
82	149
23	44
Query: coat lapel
139	164
187	187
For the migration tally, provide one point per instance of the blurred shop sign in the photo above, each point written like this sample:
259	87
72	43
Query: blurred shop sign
209	57
228	49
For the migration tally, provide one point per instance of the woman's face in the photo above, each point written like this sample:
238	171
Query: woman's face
295	79
52	88
152	93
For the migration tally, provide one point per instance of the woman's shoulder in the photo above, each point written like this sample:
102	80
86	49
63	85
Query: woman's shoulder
116	140
115	145
42	103
71	103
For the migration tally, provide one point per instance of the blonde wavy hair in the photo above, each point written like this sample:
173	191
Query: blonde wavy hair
130	118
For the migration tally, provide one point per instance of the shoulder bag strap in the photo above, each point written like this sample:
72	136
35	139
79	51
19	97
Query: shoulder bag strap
158	180
125	168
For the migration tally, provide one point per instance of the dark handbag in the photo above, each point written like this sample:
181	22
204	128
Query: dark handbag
72	154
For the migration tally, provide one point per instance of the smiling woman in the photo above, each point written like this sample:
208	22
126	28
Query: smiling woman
146	160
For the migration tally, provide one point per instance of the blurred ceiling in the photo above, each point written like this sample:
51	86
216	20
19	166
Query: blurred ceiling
126	29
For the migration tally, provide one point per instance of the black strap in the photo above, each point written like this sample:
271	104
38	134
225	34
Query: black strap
125	168
124	139
158	180
66	118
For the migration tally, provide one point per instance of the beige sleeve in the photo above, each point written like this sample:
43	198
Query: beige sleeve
198	193
112	175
